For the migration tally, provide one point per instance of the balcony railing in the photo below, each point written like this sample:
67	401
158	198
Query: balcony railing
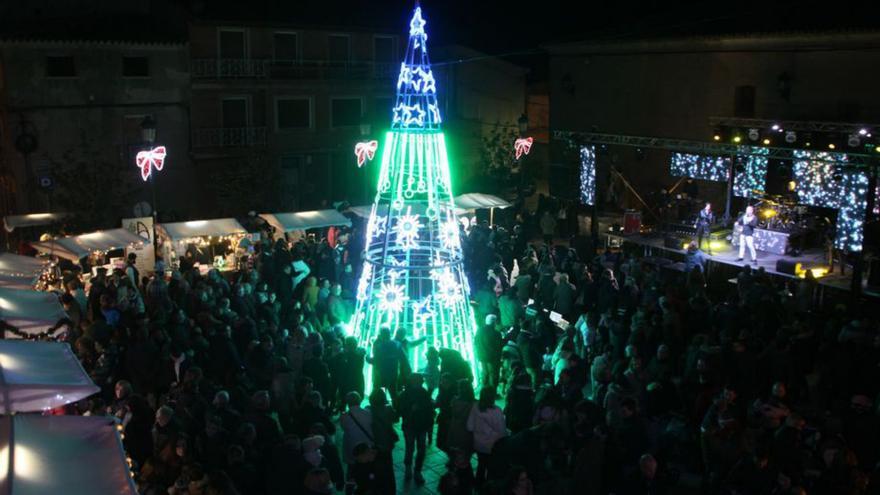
245	68
229	137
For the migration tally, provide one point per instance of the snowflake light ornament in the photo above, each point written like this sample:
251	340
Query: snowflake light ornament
406	230
392	298
449	234
448	290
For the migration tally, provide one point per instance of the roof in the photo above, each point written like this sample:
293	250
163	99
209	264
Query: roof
202	228
73	455
20	266
38	376
11	222
473	201
76	247
30	311
303	220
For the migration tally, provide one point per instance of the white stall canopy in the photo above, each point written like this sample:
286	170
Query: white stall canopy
38	376
304	220
473	201
30	311
12	222
77	247
73	455
16	265
202	228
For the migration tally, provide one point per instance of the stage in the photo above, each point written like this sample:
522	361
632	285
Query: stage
724	256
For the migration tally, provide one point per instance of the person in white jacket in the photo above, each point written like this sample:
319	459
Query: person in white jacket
487	423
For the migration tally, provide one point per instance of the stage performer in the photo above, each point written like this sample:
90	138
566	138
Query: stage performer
703	225
749	223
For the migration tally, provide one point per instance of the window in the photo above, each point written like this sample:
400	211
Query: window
744	101
339	48
293	113
60	66
232	44
285	47
345	112
135	67
383	49
235	112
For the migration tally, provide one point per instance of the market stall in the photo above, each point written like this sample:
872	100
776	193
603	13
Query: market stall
219	243
480	201
296	224
21	272
31	313
12	222
73	455
95	244
39	376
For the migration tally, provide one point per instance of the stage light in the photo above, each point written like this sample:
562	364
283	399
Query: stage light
716	245
790	137
854	140
753	134
768	213
766	142
831	146
877	149
807	144
776	127
863	132
737	139
792	185
716	134
716	137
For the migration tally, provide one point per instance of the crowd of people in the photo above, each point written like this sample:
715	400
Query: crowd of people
597	374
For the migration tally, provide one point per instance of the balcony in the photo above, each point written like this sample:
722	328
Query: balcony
236	69
229	137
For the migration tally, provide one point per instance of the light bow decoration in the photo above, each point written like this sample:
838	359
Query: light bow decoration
148	160
365	151
523	146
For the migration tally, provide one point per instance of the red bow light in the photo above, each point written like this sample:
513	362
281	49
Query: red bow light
148	160
365	151
523	145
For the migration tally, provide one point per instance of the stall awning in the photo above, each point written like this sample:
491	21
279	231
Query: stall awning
472	201
73	455
38	376
303	220
202	228
12	222
30	311
16	265
76	247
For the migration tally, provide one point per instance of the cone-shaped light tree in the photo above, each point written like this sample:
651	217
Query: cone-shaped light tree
413	279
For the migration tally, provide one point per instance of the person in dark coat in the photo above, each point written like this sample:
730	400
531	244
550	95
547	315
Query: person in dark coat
415	408
487	348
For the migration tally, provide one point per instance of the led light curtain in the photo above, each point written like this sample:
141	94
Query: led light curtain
813	173
851	216
413	277
750	178
588	175
714	168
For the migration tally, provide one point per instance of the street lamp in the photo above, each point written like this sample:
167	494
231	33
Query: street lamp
148	129
148	133
523	124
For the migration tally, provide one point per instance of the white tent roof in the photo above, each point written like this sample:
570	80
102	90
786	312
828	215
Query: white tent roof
11	222
73	455
20	282
76	247
303	220
20	266
473	201
40	375
201	228
30	311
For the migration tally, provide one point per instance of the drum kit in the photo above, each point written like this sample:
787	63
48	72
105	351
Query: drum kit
782	214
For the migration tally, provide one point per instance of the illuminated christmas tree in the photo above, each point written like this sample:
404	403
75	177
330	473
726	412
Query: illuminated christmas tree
413	277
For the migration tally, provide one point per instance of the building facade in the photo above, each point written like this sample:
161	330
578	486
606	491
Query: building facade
671	88
71	117
277	110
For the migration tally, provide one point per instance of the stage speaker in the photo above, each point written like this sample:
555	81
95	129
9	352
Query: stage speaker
787	266
672	242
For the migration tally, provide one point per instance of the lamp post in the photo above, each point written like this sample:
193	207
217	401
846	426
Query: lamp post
365	130
148	134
